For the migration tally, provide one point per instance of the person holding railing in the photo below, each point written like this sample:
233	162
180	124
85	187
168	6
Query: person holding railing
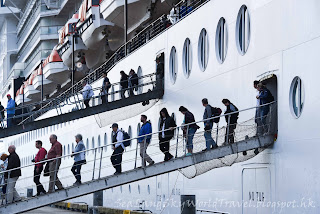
188	130
12	176
231	120
264	98
208	125
123	83
256	119
144	141
10	111
106	85
87	93
167	126
79	159
118	148
41	155
54	156
133	81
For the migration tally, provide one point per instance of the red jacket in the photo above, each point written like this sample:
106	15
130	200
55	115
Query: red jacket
40	156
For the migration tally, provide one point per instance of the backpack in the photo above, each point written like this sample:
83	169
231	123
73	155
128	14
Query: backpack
126	142
216	112
270	97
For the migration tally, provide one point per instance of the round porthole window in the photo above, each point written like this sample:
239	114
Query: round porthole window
296	97
221	40
243	30
173	65
203	50
187	58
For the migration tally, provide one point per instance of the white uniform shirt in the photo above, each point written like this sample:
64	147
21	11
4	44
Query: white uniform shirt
164	123
87	92
258	100
119	139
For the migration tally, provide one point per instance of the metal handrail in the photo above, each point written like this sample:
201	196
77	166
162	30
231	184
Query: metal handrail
210	211
142	136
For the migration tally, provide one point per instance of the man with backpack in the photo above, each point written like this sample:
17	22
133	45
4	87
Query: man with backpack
118	148
144	141
208	124
265	97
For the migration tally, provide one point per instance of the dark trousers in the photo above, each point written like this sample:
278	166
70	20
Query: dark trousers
104	99
76	170
165	147
10	120
86	103
232	127
116	158
123	91
36	180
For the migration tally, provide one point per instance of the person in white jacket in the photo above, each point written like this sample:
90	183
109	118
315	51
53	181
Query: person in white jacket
87	93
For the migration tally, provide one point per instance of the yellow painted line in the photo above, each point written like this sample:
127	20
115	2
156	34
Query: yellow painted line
68	205
126	211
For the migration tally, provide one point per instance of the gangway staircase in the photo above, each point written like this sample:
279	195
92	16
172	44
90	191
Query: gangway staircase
138	174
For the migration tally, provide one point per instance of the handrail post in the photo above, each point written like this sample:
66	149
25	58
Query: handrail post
144	151
227	133
217	135
177	142
187	135
55	175
100	161
135	162
94	162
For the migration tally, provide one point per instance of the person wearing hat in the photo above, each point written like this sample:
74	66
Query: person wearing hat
118	148
10	110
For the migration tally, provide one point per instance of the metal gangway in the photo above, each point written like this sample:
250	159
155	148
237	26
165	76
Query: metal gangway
71	106
249	140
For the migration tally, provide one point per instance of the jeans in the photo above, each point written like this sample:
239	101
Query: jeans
10	120
116	158
143	153
123	91
191	132
86	103
76	170
209	140
36	179
263	114
12	194
165	147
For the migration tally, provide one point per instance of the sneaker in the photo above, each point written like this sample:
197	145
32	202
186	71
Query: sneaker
77	184
204	150
188	154
117	173
214	147
150	164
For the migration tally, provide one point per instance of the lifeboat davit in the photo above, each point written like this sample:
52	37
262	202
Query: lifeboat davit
65	43
91	26
19	96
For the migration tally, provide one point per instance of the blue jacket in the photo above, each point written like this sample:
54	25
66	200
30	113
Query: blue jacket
82	155
263	95
145	129
11	106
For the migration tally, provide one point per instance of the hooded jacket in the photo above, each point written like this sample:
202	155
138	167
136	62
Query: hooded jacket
168	123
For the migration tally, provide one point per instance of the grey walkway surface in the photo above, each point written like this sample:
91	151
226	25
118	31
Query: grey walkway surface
50	210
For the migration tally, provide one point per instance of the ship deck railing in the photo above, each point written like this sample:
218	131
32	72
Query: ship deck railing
97	173
182	9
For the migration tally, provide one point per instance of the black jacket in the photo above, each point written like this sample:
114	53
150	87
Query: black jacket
2	112
134	80
234	117
124	81
13	162
189	118
168	123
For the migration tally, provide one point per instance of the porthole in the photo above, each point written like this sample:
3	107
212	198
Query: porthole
297	97
99	143
139	188
149	189
173	65
140	80
187	58
203	50
221	40
243	30
129	188
68	149
121	189
87	144
105	142
92	145
130	133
